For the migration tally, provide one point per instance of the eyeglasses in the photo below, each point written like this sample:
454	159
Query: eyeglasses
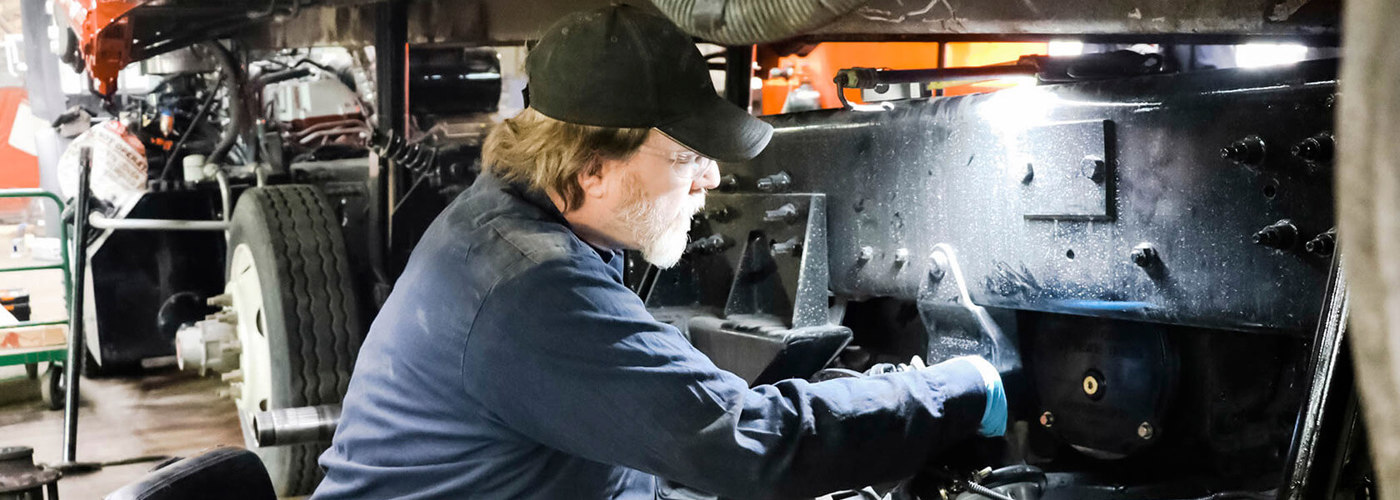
687	164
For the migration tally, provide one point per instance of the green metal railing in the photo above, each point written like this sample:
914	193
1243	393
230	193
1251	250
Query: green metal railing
46	353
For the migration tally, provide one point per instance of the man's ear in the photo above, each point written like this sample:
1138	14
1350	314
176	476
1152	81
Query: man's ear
592	182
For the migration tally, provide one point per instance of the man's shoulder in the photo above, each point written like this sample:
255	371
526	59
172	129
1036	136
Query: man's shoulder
516	235
538	241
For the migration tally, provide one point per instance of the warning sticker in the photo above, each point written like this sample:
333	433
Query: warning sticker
118	175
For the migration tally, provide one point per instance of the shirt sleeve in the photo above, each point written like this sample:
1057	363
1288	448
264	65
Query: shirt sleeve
566	356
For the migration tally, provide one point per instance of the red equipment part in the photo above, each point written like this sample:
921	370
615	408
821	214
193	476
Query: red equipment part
104	37
19	167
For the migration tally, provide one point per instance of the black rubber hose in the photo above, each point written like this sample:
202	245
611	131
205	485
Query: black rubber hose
233	81
266	79
745	22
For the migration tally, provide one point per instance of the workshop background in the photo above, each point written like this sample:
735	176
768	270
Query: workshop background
1131	208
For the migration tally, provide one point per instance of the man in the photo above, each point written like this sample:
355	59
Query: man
511	362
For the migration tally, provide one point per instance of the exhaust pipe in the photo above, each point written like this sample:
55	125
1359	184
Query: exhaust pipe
307	424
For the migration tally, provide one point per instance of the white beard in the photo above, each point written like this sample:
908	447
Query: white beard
661	232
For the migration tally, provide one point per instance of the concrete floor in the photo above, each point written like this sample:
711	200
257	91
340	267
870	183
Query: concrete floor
163	413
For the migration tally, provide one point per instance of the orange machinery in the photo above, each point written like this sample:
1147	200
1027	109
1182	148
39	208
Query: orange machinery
104	36
19	168
819	66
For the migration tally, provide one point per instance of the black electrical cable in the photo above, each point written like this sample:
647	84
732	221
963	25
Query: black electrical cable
322	67
204	108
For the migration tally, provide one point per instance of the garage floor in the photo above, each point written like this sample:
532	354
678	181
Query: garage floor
163	413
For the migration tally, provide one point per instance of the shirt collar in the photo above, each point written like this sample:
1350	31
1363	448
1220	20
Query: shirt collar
546	205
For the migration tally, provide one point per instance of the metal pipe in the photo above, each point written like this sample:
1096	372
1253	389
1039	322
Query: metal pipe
73	367
225	194
331	125
226	198
869	78
103	222
307	424
307	139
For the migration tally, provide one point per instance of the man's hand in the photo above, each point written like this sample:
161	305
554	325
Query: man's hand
995	416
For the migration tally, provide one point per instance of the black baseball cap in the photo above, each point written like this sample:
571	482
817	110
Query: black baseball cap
620	66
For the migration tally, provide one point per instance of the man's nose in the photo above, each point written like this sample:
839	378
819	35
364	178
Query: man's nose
708	180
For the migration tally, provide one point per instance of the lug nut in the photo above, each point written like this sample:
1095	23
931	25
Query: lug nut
1315	149
1146	431
787	213
1047	419
728	182
1281	235
720	213
707	245
789	247
1144	255
866	253
937	265
1323	244
1247	151
774	183
229	316
901	256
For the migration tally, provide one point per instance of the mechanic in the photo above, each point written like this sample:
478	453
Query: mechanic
511	362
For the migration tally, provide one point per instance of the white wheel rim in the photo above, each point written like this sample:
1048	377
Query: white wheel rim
255	361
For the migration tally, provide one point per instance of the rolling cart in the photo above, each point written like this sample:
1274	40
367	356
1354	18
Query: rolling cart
14	339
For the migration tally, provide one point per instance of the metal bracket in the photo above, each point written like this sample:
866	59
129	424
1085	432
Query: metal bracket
765	255
955	325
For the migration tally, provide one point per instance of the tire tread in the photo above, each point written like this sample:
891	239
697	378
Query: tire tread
320	312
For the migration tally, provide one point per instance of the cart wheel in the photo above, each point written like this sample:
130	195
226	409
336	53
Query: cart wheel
53	389
298	320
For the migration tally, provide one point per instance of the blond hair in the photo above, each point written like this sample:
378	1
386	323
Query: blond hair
549	154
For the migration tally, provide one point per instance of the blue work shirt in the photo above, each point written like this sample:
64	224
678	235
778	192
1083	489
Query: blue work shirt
511	362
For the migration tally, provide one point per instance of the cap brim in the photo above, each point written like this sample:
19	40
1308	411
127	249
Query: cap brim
720	130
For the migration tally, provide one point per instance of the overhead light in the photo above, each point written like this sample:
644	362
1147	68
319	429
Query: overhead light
1066	48
1253	55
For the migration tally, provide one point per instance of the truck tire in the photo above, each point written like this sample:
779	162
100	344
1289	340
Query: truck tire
299	322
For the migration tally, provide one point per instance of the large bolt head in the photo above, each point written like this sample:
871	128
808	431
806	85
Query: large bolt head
1143	255
1093	168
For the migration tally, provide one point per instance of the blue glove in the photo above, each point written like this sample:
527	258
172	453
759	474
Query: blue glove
994	416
